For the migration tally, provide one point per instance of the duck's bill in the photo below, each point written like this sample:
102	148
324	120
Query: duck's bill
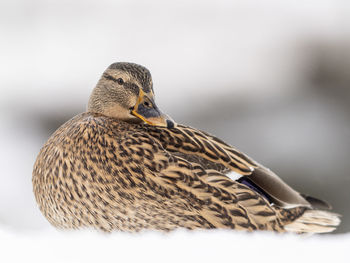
151	118
147	111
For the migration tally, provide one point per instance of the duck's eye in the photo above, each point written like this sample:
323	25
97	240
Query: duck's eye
120	81
147	104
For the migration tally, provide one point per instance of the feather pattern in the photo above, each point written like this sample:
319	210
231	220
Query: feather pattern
96	171
109	170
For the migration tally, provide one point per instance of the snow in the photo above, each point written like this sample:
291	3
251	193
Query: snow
179	246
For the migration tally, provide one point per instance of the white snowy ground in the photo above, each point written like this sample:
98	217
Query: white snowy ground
180	246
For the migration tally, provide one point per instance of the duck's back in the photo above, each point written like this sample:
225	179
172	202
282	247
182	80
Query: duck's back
99	172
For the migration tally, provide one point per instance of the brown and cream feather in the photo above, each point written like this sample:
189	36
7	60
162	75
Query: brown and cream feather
102	172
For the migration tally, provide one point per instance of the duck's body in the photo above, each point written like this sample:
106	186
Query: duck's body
111	174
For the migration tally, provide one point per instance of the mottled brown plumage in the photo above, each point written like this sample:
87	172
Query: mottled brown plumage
124	165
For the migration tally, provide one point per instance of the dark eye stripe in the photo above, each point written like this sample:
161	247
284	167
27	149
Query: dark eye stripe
131	86
107	76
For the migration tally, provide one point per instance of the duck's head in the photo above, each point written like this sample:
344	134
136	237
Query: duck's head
125	92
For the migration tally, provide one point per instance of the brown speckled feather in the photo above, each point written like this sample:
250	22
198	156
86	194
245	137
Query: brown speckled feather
194	142
97	171
107	170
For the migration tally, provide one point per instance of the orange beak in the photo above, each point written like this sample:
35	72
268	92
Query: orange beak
146	110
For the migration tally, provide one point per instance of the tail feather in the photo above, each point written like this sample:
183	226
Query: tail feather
317	203
314	221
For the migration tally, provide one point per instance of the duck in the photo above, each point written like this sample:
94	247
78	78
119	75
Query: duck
124	165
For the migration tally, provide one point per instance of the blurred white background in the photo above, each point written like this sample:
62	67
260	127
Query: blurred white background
270	77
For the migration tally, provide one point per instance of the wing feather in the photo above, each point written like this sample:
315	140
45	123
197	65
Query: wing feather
210	152
223	202
190	141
